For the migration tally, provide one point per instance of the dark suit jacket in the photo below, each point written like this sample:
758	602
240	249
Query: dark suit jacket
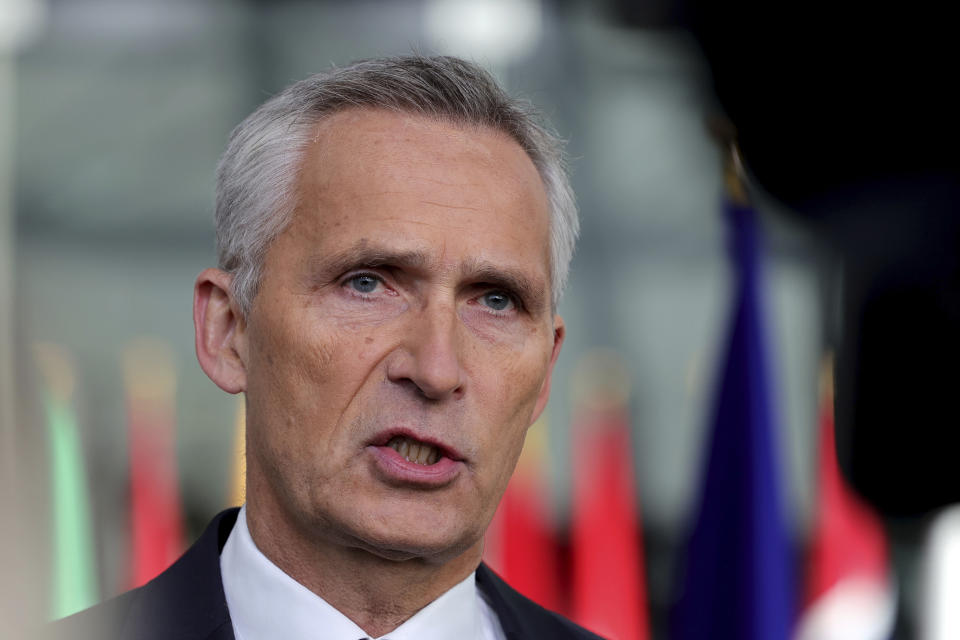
186	602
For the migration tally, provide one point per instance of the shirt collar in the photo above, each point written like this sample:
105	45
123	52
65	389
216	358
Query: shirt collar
265	602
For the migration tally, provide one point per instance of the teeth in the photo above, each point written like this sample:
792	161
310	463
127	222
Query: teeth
414	451
424	455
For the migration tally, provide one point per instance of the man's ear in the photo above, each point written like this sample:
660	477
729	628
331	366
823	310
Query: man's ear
559	332
220	331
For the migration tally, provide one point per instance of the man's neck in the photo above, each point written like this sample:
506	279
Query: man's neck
376	593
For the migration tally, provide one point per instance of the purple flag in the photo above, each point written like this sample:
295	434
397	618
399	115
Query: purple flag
737	579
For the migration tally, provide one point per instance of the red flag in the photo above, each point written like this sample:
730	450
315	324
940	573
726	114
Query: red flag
521	543
609	589
156	521
848	593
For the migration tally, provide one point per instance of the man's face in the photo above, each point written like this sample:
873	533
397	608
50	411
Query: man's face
404	313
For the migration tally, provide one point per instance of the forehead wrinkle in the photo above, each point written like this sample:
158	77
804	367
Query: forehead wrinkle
450	206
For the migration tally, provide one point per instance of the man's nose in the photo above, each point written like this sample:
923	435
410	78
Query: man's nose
430	357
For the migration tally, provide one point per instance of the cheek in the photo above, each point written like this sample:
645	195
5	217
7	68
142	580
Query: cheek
288	373
517	384
509	393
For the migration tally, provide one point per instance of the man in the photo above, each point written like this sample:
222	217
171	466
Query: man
393	239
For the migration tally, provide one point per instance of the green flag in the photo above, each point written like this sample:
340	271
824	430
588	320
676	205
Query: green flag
73	585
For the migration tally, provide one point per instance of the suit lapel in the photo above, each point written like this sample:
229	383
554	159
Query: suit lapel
506	603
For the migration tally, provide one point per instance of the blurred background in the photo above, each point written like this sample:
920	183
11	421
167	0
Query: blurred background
117	450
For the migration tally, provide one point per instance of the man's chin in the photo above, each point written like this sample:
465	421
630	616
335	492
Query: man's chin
427	546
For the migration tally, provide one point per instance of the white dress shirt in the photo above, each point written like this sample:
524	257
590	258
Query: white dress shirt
265	603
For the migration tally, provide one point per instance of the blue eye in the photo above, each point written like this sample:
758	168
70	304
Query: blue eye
497	300
364	283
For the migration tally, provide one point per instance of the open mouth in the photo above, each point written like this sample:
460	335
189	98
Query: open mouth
415	450
401	458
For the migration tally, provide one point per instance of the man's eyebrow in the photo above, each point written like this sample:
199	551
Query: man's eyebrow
531	294
364	255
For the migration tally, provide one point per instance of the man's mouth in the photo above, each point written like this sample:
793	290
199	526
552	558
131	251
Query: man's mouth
415	450
401	458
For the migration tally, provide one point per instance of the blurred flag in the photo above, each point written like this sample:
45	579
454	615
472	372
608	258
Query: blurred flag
849	595
738	574
238	478
74	580
156	520
521	543
608	578
940	613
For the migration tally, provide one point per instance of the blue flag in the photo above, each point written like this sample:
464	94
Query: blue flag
737	581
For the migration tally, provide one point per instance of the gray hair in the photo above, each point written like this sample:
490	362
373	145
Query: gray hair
257	174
